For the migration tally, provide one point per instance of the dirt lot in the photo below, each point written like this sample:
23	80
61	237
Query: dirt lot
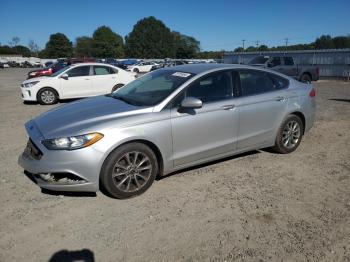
254	207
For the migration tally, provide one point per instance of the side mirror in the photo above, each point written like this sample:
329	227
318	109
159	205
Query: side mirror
191	103
64	76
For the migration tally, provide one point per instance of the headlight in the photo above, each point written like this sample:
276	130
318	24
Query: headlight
30	84
72	142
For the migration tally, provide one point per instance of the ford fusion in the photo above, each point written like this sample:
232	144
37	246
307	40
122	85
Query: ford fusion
165	121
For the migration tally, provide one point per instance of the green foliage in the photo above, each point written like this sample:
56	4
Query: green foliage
106	43
210	54
58	46
23	50
16	50
185	46
83	47
150	38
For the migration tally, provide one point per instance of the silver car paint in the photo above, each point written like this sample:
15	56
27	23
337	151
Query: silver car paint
216	130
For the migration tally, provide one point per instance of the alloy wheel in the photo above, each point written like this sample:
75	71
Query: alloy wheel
132	171
291	134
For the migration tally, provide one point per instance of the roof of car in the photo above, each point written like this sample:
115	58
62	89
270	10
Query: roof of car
201	68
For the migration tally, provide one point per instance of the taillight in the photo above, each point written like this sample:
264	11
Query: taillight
312	92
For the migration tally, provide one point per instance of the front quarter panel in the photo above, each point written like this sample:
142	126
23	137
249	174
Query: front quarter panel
154	128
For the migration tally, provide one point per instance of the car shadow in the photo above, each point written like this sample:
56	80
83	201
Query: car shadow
84	255
340	100
254	152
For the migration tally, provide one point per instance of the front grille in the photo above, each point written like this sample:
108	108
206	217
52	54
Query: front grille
32	150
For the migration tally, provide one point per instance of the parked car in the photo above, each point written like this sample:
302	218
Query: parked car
116	63
79	80
143	67
61	63
164	121
49	63
287	66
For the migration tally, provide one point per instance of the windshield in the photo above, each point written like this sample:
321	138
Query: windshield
60	71
152	88
259	60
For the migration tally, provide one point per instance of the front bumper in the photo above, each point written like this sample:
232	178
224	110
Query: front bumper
84	164
27	94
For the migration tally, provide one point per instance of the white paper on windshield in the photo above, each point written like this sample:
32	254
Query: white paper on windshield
181	74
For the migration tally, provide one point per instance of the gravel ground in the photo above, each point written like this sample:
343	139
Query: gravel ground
253	207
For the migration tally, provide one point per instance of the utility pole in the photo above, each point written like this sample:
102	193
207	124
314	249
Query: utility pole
257	43
286	40
243	40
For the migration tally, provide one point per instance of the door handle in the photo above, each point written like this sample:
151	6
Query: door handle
228	107
113	77
280	98
87	78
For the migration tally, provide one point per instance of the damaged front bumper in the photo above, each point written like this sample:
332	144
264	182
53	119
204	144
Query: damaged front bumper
61	170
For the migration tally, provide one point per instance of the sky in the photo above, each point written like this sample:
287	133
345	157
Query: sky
218	25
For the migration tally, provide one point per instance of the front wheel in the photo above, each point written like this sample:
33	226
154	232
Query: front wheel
289	135
47	96
129	170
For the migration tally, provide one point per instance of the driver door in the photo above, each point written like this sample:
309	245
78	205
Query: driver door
78	84
200	134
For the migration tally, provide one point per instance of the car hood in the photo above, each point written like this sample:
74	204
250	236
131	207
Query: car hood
40	78
79	116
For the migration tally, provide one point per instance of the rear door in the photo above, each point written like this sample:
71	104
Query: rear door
104	79
210	131
78	83
261	107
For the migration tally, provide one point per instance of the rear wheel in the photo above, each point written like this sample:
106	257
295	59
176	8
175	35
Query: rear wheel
136	70
129	170
305	78
47	96
116	87
289	135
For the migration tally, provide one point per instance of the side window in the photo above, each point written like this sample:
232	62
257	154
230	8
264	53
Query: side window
288	61
276	61
215	87
102	70
79	71
278	81
255	82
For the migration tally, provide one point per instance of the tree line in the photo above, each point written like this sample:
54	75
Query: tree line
322	42
150	38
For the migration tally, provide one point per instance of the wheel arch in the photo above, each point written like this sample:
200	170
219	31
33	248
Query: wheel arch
301	116
148	143
49	87
306	73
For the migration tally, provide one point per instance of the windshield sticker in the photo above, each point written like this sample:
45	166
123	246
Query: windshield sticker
181	74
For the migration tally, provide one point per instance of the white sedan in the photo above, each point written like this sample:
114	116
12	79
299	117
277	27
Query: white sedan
78	80
143	67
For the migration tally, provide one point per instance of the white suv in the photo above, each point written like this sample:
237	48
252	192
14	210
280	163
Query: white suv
78	80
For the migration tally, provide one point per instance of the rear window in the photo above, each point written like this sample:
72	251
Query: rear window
278	81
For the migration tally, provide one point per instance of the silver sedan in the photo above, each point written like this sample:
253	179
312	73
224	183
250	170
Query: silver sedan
165	121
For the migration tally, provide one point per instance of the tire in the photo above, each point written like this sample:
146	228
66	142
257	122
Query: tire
47	96
305	78
116	87
123	178
289	135
136	70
